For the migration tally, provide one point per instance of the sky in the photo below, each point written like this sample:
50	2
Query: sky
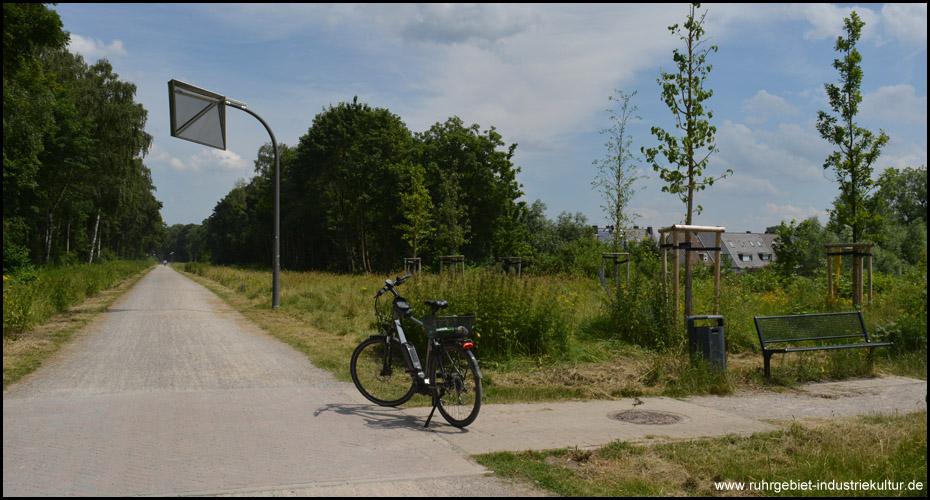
540	75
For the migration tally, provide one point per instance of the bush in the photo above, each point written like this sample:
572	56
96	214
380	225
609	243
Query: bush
637	312
31	295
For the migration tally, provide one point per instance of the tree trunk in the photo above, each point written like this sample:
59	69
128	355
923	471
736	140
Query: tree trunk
93	240
49	219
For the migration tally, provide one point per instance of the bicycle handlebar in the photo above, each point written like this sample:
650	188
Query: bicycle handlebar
389	285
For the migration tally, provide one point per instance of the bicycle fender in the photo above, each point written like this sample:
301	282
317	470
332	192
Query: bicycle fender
477	367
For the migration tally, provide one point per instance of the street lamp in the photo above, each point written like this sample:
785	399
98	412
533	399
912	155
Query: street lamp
198	115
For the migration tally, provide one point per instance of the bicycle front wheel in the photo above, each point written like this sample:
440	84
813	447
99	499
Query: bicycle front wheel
457	385
379	371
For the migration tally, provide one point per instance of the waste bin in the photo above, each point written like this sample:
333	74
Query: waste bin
708	342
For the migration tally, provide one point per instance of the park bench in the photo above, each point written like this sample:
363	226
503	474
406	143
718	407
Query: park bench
812	332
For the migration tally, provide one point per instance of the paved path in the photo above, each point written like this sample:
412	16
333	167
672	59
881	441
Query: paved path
172	392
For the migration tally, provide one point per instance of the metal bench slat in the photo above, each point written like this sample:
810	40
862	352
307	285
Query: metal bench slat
814	338
825	347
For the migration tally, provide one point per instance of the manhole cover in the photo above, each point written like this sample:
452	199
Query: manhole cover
647	417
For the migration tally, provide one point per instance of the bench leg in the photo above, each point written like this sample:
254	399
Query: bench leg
768	359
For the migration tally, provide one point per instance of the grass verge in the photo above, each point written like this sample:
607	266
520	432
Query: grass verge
24	353
815	450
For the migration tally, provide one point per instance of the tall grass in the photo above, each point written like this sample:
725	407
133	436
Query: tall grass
515	316
33	295
533	321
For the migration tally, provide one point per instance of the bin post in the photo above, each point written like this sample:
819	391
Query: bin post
708	341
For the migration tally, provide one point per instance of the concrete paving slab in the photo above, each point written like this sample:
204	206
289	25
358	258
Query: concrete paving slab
520	427
888	395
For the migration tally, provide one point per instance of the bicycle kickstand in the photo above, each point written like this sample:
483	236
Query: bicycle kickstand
435	401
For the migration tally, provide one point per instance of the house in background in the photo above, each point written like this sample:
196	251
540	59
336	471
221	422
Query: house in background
606	233
738	251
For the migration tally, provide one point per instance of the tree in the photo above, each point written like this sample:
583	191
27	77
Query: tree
857	147
453	226
684	93
799	248
28	104
617	170
73	143
902	194
900	200
417	209
350	160
486	185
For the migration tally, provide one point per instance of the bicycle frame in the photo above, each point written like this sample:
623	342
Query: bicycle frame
449	360
401	309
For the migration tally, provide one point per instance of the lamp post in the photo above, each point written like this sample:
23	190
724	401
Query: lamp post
198	115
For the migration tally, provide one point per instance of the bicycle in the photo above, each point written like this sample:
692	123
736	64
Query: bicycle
387	370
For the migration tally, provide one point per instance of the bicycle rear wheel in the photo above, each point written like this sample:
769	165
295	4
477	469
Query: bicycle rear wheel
379	371
457	385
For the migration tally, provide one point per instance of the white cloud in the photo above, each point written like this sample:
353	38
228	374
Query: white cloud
763	105
539	81
828	20
456	23
895	103
210	160
771	214
789	154
742	184
907	22
93	49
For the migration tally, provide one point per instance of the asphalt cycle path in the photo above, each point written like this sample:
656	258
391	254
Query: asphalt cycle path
172	392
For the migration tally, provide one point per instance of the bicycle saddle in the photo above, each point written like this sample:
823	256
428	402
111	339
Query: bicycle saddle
437	304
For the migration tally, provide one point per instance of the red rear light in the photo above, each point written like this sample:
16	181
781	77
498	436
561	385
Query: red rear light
468	345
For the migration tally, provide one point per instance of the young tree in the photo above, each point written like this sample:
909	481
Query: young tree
417	209
616	172
858	147
684	93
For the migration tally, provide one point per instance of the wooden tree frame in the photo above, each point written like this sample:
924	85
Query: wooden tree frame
678	244
616	257
835	251
457	262
512	263
412	264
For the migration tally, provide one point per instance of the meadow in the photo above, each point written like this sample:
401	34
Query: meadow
566	336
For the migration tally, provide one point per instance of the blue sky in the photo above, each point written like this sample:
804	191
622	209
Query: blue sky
540	74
